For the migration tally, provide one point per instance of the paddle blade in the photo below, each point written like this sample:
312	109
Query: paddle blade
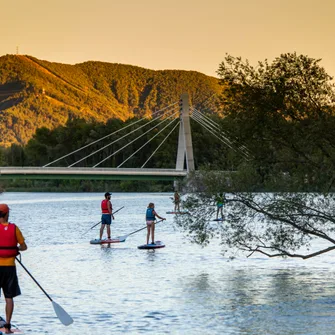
62	315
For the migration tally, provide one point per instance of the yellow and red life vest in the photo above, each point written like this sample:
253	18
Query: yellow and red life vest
8	241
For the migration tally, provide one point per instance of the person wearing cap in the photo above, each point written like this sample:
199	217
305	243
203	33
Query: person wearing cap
107	215
11	242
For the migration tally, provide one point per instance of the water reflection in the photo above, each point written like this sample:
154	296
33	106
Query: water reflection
254	301
179	289
150	255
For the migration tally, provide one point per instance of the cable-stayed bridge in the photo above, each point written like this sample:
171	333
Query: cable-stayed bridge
172	117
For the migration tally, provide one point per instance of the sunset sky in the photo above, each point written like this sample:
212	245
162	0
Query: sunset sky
168	34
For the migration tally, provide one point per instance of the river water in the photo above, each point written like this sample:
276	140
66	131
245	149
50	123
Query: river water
180	289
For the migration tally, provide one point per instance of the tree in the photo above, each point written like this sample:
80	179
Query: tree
297	224
284	111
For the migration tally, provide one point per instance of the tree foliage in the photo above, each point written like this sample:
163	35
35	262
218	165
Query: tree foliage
36	93
284	112
300	225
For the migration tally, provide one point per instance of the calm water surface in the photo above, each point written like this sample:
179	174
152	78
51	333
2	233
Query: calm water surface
180	289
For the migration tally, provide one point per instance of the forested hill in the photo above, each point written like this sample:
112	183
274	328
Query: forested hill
36	93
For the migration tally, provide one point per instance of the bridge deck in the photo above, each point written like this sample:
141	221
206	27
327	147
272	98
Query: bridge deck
89	173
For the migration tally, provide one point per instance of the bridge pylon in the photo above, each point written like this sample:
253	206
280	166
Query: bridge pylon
185	148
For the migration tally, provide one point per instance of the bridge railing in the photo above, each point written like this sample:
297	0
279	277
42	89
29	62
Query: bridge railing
89	173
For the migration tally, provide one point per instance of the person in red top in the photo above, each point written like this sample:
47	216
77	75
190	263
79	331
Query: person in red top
11	242
106	215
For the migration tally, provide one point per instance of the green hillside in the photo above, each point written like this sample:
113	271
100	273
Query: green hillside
36	93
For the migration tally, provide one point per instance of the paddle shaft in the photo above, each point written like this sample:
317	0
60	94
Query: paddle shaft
140	229
100	221
31	276
62	315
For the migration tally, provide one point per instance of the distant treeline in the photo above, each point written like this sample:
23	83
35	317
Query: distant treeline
48	145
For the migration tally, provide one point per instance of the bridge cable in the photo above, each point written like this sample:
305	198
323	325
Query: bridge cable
147	142
210	123
96	141
241	147
120	138
115	152
209	120
224	132
224	140
161	143
210	129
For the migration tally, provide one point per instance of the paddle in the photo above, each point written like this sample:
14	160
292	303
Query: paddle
123	238
100	221
60	312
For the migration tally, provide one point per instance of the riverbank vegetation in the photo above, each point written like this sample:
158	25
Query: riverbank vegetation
284	111
49	145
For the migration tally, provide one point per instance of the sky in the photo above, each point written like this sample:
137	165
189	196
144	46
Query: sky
168	34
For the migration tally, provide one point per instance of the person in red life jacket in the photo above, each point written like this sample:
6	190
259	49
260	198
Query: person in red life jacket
11	242
150	217
107	215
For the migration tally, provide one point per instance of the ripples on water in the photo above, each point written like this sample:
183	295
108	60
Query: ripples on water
180	289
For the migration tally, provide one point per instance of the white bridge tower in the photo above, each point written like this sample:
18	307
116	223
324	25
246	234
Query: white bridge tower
185	148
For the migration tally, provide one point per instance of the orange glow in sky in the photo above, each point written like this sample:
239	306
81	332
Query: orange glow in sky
168	34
